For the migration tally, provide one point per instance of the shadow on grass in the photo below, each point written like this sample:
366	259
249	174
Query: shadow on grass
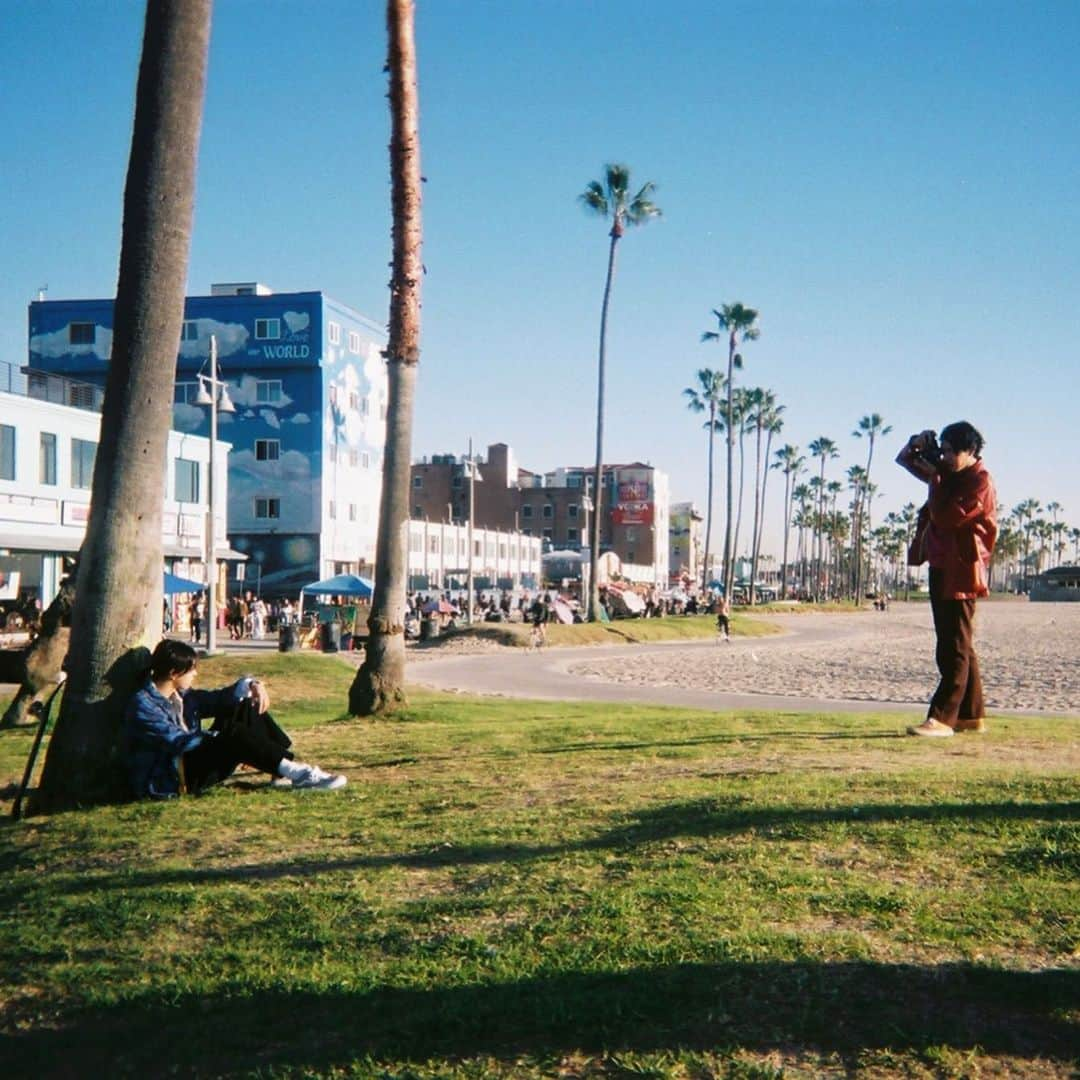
699	818
829	1008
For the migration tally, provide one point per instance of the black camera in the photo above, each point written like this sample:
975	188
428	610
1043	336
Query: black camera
925	446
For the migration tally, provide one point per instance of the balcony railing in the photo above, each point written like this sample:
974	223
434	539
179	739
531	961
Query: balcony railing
44	386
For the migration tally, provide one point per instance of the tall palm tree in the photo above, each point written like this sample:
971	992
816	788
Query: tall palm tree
1024	513
707	397
790	463
379	685
117	609
856	478
611	200
767	422
741	403
739	324
802	496
872	426
1074	536
1053	509
825	449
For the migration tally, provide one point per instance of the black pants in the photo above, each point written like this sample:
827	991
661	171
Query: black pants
959	695
245	738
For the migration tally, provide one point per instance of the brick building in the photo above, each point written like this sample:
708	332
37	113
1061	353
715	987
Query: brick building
555	506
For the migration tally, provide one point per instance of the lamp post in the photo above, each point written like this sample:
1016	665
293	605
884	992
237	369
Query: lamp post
585	564
212	392
474	475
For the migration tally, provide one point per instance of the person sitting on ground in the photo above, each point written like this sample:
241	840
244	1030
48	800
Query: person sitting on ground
167	751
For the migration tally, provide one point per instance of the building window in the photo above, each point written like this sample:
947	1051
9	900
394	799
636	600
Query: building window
417	513
457	481
571	536
190	330
417	481
571	511
7	452
333	510
354	400
352	511
630	556
526	511
354	458
267	449
82	333
573	481
364	406
266	507
83	453
365	460
549	510
186	476
268	391
547	534
185	393
631	535
47	458
267	329
354	342
333	453
433	545
527	532
333	332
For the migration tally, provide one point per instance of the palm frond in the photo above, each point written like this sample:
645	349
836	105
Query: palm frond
594	199
710	335
617	182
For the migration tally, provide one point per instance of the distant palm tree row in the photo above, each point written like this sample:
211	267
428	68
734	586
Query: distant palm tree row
838	551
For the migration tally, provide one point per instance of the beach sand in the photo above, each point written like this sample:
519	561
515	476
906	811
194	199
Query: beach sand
1027	653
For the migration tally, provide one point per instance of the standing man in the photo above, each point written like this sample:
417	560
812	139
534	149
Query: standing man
956	533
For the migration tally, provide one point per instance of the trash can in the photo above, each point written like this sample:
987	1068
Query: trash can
429	628
330	636
288	638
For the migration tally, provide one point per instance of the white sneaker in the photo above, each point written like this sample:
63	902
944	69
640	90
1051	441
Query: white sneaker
931	727
320	779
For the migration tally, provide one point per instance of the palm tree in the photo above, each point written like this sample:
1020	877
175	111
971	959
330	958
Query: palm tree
117	609
1024	513
612	200
856	478
379	685
872	426
1053	509
766	419
707	395
741	403
1074	536
824	448
790	464
738	323
802	496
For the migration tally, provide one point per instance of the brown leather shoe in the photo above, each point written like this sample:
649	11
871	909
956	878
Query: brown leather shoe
977	726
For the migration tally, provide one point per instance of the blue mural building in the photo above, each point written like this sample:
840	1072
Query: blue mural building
308	381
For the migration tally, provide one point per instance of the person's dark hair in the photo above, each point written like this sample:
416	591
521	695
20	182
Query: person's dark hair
962	436
172	658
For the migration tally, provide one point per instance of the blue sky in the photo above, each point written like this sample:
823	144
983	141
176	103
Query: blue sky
892	185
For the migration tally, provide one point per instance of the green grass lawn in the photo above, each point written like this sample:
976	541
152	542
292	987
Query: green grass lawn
618	632
515	889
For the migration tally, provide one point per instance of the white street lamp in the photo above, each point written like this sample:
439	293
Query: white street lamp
585	564
213	392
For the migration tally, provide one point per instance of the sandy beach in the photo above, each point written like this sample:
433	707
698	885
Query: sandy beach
1028	654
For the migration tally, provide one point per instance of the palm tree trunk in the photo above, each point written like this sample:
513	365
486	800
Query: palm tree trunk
759	523
117	610
755	538
598	471
739	504
708	510
729	567
787	533
379	685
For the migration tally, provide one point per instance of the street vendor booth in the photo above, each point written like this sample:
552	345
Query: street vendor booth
330	628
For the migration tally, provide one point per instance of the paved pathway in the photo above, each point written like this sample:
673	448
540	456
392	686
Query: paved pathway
544	674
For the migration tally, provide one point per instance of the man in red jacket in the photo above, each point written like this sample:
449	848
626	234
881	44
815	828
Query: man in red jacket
956	534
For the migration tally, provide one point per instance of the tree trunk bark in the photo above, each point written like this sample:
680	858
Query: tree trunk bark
729	567
117	611
45	658
708	509
379	686
598	470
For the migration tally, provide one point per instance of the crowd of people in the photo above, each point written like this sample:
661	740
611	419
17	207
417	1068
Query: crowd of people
246	616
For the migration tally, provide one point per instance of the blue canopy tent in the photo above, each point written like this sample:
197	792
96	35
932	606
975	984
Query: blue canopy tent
175	584
341	585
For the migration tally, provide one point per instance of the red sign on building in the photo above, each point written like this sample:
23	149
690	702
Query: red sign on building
633	506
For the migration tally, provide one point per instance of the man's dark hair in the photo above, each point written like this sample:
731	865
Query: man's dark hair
963	436
172	658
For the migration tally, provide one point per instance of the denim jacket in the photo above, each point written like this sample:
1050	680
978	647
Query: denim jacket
157	731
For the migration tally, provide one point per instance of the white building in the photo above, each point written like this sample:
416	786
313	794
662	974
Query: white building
49	433
439	557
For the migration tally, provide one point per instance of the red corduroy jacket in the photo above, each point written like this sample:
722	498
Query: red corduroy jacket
957	530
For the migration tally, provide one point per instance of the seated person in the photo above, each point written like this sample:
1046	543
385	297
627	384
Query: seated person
168	752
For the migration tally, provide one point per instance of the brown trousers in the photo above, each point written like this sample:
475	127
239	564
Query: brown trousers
959	695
